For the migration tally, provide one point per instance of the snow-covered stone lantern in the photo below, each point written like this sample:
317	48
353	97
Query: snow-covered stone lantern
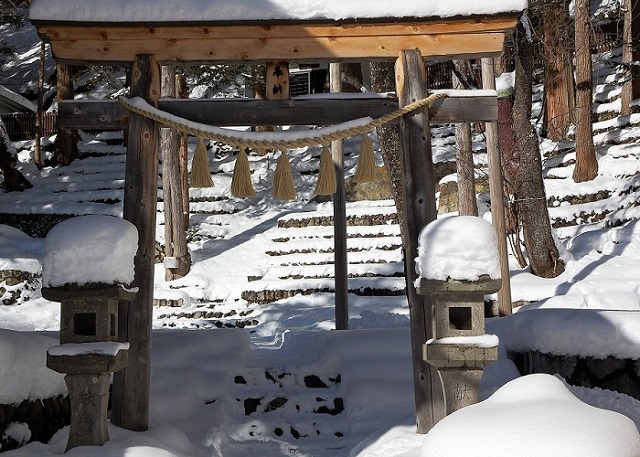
88	266
458	264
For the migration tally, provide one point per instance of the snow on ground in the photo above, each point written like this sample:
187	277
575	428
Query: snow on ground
590	309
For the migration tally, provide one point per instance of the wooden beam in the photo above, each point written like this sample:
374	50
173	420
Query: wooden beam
168	31
109	115
464	38
252	50
131	386
419	210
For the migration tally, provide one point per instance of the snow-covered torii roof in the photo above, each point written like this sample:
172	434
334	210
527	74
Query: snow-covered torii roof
261	10
259	30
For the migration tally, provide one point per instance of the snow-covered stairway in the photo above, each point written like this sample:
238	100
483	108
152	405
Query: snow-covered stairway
292	405
301	255
312	393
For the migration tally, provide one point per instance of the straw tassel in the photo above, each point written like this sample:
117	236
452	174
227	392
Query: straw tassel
283	188
326	184
366	170
241	185
200	174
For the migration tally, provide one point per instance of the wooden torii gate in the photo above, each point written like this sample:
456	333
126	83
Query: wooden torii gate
146	45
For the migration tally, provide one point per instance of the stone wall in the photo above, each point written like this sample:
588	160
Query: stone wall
43	418
18	286
620	375
35	225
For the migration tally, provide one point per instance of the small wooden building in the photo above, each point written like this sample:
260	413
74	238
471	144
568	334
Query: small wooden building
10	102
145	34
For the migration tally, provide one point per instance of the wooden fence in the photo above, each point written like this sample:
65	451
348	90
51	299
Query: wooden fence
22	126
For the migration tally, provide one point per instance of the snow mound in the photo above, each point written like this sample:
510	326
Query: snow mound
90	249
23	369
536	415
458	247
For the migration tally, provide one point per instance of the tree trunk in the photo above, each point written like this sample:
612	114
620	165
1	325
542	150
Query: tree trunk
351	77
382	80
510	164
467	204
631	53
558	71
529	191
586	164
67	140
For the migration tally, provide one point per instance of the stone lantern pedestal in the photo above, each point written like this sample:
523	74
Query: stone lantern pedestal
88	355
460	349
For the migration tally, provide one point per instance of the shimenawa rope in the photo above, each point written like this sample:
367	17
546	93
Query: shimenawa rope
257	140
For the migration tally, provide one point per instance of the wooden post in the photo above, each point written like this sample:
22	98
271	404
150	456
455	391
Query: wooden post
419	210
131	386
67	140
277	80
182	92
340	261
175	235
498	213
39	112
467	205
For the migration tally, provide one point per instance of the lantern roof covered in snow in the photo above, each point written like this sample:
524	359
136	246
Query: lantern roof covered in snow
260	30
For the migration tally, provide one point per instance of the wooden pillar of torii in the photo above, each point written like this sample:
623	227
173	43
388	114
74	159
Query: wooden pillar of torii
130	408
419	209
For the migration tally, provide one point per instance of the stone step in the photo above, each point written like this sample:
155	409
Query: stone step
285	235
307	246
388	269
216	207
269	291
593	212
205	319
381	214
373	256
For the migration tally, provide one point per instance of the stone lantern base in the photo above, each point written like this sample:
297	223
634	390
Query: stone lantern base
88	376
460	367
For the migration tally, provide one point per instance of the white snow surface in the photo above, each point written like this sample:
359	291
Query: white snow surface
552	422
23	371
458	247
100	347
90	249
255	10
